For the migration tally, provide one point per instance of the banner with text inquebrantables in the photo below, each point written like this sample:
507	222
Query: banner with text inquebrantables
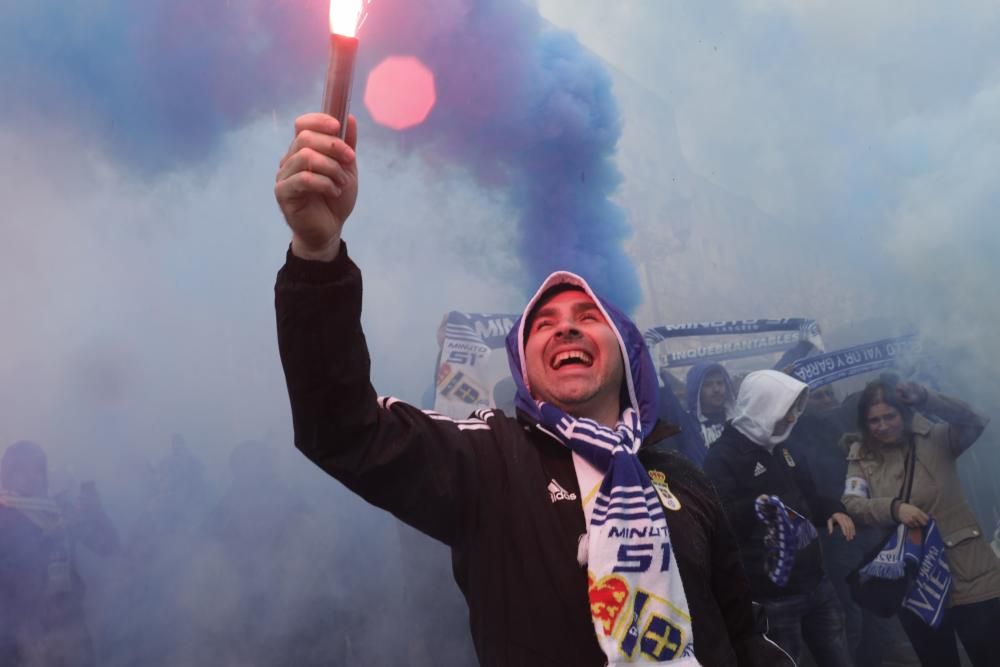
472	370
743	344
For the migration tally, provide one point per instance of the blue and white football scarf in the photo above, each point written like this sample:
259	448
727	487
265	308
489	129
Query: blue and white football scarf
787	533
919	550
637	599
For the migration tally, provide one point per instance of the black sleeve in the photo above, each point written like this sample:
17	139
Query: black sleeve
739	507
820	507
422	467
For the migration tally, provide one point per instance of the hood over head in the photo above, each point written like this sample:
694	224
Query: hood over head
640	387
695	378
764	400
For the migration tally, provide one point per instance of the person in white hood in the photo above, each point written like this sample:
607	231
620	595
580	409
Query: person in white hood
768	405
772	503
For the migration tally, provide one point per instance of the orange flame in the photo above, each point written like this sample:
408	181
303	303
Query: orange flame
346	16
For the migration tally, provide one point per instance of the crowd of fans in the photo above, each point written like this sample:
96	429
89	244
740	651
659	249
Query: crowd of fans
248	575
833	443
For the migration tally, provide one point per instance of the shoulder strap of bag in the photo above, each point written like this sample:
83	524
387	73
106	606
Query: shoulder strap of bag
904	493
911	464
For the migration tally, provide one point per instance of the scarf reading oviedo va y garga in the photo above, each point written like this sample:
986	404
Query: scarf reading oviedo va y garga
637	598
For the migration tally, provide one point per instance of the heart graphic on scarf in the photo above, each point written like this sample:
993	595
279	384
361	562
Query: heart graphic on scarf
607	597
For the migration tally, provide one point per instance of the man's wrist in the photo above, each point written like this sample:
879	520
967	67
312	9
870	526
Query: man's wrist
894	508
325	253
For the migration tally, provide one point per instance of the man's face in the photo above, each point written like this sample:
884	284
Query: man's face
784	423
788	421
713	392
572	356
822	399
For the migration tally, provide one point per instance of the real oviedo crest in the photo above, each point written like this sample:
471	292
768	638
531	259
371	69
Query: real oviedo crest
667	497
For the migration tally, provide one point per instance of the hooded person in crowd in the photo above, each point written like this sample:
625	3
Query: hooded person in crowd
710	399
559	520
41	593
773	505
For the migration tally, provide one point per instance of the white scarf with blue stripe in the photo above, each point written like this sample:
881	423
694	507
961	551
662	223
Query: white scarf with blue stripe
637	599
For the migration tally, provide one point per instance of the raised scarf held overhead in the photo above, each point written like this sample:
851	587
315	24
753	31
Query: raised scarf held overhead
637	599
918	553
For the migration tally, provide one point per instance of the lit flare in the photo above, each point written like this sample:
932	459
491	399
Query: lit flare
346	17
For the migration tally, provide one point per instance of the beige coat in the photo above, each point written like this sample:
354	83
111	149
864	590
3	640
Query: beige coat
873	483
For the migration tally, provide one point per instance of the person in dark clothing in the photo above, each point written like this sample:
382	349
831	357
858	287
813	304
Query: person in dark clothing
710	397
41	594
510	496
748	462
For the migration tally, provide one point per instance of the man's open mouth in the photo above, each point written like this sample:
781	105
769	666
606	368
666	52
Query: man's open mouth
572	357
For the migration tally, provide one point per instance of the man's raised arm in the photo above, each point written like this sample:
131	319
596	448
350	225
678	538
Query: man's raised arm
424	469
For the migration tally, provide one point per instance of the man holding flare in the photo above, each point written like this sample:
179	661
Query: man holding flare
575	540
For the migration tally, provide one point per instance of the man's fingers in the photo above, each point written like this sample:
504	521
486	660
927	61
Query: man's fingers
310	160
322	143
305	183
351	138
317	122
328	128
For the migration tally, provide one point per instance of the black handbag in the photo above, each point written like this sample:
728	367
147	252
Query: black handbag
884	597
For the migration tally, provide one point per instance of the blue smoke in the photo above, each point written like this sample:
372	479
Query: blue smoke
527	109
155	83
523	107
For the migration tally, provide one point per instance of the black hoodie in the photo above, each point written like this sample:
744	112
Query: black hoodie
483	486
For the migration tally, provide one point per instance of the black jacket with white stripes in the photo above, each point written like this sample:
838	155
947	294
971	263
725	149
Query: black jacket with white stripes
480	485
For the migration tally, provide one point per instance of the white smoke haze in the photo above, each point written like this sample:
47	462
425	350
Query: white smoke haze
826	160
827	152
